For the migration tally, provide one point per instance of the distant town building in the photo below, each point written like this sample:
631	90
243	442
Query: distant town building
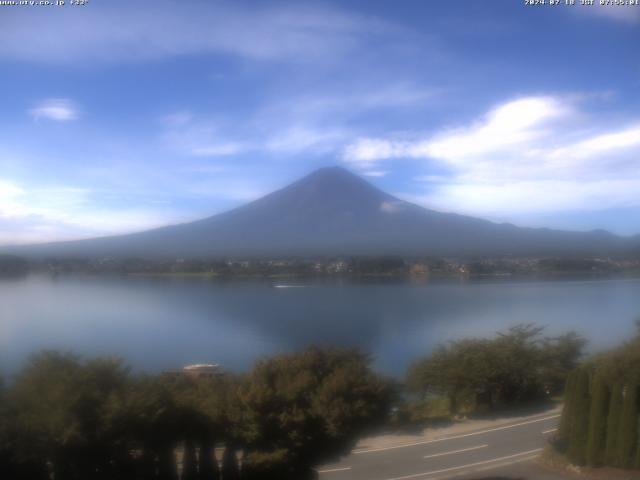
419	269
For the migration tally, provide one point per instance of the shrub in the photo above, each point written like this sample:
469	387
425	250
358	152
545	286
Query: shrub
597	421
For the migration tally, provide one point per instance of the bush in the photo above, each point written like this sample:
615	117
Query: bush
600	426
564	428
579	429
597	422
613	425
311	405
628	427
516	367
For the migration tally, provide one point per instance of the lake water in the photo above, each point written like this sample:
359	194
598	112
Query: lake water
159	323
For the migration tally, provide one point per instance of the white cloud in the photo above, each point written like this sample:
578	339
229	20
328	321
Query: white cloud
48	213
299	138
200	138
367	152
9	190
351	102
177	119
500	199
529	155
391	207
375	173
294	32
621	13
600	144
318	124
505	127
217	150
58	109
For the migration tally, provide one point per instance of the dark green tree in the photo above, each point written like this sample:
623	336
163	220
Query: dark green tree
274	465
189	462
598	421
207	462
628	427
308	408
230	468
560	356
564	429
515	367
636	463
579	430
58	414
613	424
149	419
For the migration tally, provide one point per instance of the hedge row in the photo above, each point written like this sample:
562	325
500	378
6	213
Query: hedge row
600	423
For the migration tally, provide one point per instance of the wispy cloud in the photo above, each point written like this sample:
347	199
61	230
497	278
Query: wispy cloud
318	124
528	155
298	139
629	14
58	109
217	150
189	135
49	212
177	119
375	173
267	33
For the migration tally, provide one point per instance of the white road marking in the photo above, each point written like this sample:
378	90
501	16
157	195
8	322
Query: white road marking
330	470
493	466
544	432
469	465
456	451
425	442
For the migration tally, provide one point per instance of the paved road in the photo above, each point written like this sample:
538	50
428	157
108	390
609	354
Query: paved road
448	457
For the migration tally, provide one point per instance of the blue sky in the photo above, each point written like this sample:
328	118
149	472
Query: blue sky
120	116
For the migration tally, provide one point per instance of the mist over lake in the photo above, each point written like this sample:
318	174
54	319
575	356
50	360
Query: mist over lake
159	323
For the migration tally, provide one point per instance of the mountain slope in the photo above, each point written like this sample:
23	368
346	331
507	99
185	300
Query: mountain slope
333	211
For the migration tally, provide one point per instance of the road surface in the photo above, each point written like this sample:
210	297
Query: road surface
452	456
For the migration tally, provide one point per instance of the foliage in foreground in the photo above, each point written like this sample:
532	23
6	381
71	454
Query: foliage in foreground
518	366
600	423
68	419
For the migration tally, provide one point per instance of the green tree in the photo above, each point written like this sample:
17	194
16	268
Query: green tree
560	356
515	367
579	431
150	419
613	424
207	462
309	407
230	468
564	429
636	463
516	351
189	462
57	410
628	427
272	465
597	421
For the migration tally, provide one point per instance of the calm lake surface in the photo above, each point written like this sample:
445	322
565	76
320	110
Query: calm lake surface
159	323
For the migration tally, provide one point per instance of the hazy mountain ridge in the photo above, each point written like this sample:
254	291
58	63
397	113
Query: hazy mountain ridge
334	212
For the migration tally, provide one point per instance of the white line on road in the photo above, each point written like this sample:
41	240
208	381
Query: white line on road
544	432
493	466
331	470
456	451
469	465
371	450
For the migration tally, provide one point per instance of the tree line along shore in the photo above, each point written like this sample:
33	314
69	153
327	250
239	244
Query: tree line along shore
65	417
327	266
